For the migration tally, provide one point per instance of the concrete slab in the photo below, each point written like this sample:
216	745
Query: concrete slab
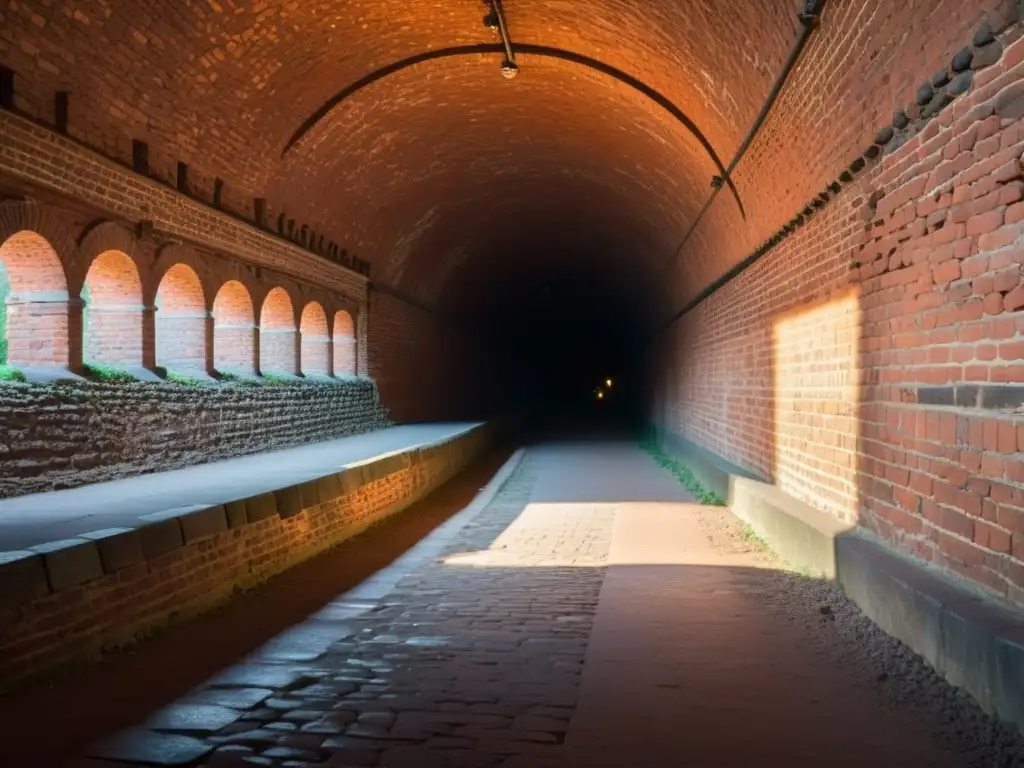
119	547
160	532
260	507
970	639
70	562
26	521
47	374
22	577
203	521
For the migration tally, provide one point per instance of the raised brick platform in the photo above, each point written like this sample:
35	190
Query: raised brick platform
92	568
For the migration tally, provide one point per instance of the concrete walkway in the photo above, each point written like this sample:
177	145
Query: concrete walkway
39	518
582	615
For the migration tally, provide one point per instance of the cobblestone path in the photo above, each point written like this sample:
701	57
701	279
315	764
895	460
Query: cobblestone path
583	616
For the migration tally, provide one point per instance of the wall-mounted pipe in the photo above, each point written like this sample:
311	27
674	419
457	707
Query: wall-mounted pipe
809	16
508	67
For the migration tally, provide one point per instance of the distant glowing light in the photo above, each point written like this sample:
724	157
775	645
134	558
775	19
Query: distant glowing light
608	383
600	395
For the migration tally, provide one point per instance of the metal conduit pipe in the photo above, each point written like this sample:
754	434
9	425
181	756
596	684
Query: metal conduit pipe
509	68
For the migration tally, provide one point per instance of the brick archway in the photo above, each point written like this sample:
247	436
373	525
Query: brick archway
278	338
316	341
181	319
234	325
33	302
112	318
344	344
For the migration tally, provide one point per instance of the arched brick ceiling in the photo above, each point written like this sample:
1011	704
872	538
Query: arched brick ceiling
430	166
418	172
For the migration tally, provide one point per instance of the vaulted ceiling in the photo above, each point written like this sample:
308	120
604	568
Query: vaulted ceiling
453	181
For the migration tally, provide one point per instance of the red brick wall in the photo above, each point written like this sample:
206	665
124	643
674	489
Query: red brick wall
107	431
426	367
119	605
865	61
870	363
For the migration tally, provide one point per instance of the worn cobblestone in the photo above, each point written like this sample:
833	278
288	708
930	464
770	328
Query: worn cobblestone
472	659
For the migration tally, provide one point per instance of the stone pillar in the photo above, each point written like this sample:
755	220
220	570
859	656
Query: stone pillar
257	364
209	331
148	337
75	335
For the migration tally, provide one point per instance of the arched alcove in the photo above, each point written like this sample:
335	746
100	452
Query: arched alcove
112	317
181	320
278	349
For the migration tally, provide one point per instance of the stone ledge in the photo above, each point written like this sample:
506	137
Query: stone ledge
172	542
70	562
711	470
169	529
800	534
22	578
971	639
119	547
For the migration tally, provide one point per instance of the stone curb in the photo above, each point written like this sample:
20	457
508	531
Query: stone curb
70	562
119	547
22	578
55	566
970	638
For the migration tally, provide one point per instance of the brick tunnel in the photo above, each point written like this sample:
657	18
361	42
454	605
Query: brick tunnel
512	383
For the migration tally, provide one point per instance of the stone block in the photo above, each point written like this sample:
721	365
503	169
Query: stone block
201	522
160	532
987	56
962	60
261	507
235	511
972	641
381	467
119	547
1008	674
328	488
289	501
349	480
22	578
70	562
310	492
152	748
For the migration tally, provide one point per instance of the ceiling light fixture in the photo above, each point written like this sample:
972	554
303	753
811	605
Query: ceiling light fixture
495	21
